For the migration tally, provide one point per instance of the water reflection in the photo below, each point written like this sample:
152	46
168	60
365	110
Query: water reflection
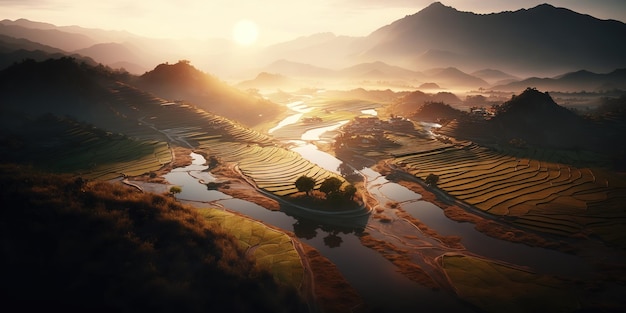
370	112
314	134
538	259
306	228
192	179
323	159
287	121
332	240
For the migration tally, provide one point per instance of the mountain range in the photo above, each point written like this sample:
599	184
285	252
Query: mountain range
543	40
539	40
438	44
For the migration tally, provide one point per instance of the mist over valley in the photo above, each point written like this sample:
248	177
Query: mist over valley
448	161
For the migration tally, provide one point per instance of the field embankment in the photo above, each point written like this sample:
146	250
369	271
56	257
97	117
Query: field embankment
543	196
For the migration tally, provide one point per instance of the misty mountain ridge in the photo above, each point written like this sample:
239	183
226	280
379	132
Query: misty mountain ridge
540	41
67	87
447	77
112	53
50	37
493	76
582	80
268	81
184	82
14	50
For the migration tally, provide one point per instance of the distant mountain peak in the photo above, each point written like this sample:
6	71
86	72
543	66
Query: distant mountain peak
442	36
544	6
437	8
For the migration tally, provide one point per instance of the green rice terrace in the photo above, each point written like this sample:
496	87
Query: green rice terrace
545	196
150	125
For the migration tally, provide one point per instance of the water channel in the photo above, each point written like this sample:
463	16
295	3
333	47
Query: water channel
374	277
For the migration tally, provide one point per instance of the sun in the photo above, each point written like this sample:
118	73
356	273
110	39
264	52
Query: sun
245	32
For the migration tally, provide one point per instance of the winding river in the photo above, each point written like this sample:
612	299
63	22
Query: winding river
377	279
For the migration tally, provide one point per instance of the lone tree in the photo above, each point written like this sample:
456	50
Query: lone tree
349	191
305	184
431	180
331	185
175	189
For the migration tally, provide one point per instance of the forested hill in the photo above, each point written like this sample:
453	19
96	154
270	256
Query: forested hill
533	120
182	81
67	86
61	86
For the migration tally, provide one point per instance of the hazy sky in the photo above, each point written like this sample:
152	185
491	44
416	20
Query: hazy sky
277	20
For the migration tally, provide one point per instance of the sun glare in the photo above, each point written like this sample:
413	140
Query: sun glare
245	32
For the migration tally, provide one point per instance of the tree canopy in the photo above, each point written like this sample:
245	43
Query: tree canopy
331	185
305	184
431	180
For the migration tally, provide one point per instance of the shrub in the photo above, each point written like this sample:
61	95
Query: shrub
305	184
175	189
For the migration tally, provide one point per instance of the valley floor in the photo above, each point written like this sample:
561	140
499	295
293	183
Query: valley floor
417	255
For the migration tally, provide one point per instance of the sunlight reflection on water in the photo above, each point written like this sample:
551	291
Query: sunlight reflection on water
323	159
292	119
189	177
370	112
299	106
314	134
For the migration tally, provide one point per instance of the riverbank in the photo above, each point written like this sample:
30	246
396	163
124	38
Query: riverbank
454	211
325	285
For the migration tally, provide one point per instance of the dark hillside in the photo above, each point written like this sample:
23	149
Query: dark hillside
532	120
64	116
181	81
57	86
436	112
409	103
75	246
535	118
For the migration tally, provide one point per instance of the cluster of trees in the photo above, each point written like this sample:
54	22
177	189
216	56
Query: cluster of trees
330	186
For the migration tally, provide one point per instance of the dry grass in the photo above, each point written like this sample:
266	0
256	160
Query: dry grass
333	293
400	258
449	241
97	246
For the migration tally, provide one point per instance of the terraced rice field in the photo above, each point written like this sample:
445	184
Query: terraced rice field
540	195
272	168
99	155
494	287
145	115
271	249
